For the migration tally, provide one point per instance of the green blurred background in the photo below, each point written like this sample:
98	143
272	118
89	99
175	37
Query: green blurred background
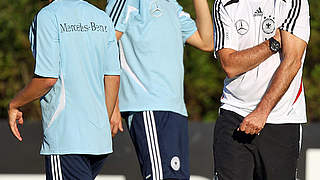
203	74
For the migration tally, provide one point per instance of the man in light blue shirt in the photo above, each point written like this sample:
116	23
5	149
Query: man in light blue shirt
151	99
77	79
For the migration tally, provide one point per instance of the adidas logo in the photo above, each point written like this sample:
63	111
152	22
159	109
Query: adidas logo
258	12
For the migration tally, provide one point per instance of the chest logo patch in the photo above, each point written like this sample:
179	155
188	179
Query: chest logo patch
268	25
242	27
258	12
155	9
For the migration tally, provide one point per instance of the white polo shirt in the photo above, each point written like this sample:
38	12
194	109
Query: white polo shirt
240	25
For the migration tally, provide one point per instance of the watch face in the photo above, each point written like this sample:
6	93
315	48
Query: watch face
274	45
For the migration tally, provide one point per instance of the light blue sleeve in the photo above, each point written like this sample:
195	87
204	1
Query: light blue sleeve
44	40
117	10
112	62
188	26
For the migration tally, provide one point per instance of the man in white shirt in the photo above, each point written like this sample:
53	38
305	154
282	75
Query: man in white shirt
258	132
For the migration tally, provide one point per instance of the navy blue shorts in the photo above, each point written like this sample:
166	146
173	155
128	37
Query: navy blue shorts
73	166
161	142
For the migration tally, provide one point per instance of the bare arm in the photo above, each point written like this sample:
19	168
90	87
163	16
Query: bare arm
111	87
293	50
37	88
115	119
235	63
203	37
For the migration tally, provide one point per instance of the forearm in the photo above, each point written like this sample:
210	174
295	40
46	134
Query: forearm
293	50
204	21
111	92
37	88
279	85
238	62
116	107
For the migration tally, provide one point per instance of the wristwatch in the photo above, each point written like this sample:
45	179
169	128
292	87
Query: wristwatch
274	45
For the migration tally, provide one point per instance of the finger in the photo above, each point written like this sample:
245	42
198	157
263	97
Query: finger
120	126
115	131
20	121
258	130
253	132
15	131
243	126
247	130
20	118
111	125
252	129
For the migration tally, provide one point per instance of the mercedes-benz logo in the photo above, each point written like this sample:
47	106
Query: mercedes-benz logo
242	27
155	9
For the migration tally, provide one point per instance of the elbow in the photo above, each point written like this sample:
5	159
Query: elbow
230	71
230	74
208	47
50	82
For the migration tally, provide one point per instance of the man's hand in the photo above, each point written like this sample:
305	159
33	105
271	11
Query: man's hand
116	121
116	124
15	116
254	122
37	88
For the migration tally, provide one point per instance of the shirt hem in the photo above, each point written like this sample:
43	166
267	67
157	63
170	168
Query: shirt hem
137	109
269	121
75	152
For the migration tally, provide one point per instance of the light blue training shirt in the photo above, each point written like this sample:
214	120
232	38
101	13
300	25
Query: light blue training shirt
75	42
151	53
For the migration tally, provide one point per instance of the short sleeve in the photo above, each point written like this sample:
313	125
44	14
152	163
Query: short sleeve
44	40
296	18
112	64
117	11
225	33
188	26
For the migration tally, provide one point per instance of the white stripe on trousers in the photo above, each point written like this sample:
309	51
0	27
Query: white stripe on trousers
300	139
149	144
156	143
52	168
56	167
59	167
153	145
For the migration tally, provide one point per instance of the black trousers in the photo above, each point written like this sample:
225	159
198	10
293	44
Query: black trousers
272	155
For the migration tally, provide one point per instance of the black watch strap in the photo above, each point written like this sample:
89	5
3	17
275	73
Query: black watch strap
274	45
